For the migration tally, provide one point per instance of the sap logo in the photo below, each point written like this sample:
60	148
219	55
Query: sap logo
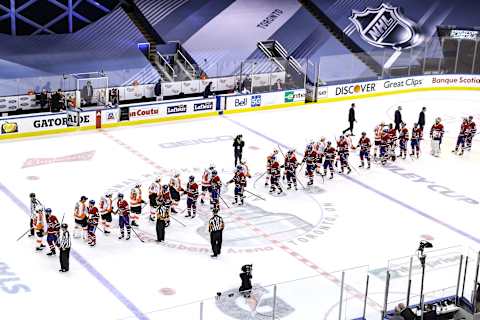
256	101
9	282
355	89
241	102
177	109
203	106
322	93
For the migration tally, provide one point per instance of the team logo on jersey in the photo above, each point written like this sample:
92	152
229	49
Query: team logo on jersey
256	101
385	27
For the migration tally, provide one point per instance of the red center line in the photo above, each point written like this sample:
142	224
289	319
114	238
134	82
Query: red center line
348	288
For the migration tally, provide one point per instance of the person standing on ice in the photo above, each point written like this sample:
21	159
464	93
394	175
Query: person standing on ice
34	204
215	227
64	244
351	119
436	134
238	145
421	118
398	118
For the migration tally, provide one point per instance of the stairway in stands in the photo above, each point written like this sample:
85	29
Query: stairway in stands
344	39
149	33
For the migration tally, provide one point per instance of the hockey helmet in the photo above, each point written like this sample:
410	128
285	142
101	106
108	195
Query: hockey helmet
32	195
191	178
138	185
165	187
438	119
239	167
120	196
275	151
158	179
470	118
364	133
176	175
214	172
212	166
92	202
48	211
39	209
108	194
329	143
83	198
64	226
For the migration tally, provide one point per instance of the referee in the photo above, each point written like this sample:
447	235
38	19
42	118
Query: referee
215	227
64	244
162	218
238	145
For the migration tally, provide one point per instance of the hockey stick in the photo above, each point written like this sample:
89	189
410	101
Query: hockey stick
256	180
23	235
63	217
178	221
135	233
256	195
224	202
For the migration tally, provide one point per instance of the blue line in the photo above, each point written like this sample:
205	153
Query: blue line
94	272
378	192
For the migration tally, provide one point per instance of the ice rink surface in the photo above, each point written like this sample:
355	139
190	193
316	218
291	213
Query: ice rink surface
363	219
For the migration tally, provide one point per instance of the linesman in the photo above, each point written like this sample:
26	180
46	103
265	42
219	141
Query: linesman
215	227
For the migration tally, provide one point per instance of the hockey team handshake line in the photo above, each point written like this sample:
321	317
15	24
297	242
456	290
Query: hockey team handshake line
386	142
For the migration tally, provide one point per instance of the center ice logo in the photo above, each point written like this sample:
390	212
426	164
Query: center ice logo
385	27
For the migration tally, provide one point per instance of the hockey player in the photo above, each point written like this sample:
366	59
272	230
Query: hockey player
38	225
343	153
403	138
192	197
165	203
240	181
53	230
365	146
245	169
320	149
206	186
275	177
153	194
310	158
270	160
472	131
378	139
123	217
392	141
136	204
436	134
106	209
417	133
93	217
215	187
34	203
80	215
384	147
461	137
290	166
175	187
330	154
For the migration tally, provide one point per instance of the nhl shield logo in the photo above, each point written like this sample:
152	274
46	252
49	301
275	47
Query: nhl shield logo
385	27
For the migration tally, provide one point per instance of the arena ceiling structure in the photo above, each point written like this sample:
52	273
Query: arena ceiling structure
36	17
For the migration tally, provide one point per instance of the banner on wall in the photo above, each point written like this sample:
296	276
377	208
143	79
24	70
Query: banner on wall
174	108
46	122
264	99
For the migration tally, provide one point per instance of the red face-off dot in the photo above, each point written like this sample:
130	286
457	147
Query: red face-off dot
167	291
427	237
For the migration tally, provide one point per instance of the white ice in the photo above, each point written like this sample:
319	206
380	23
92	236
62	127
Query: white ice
362	220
